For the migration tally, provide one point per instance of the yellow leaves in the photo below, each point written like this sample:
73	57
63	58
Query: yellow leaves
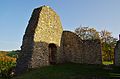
5	58
6	64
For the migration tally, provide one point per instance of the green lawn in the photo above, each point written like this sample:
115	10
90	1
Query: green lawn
69	71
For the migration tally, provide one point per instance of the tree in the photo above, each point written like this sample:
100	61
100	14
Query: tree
86	33
107	40
105	36
108	45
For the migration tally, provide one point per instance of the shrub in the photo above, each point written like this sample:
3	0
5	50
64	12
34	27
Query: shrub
7	64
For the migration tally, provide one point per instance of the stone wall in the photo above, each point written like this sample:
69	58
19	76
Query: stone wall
72	47
44	43
81	51
92	52
44	28
117	54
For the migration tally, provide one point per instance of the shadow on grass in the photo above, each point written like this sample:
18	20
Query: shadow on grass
70	71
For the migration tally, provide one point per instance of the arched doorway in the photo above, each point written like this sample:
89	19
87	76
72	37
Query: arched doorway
52	53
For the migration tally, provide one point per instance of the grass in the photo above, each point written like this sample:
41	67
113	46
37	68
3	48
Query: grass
108	62
69	71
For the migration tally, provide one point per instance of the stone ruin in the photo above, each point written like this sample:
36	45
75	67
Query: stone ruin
117	53
80	51
45	43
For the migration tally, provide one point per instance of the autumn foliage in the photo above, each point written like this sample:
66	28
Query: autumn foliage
7	64
107	40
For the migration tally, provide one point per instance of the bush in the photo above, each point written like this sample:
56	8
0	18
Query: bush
7	64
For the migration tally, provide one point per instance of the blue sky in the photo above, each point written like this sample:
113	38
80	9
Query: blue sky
15	14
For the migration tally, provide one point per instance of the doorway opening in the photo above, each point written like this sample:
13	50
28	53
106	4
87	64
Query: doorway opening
52	53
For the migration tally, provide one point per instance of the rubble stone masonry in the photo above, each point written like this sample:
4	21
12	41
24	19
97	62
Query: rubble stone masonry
45	43
44	28
117	54
81	51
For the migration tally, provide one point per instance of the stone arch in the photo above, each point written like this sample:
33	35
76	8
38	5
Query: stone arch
52	53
